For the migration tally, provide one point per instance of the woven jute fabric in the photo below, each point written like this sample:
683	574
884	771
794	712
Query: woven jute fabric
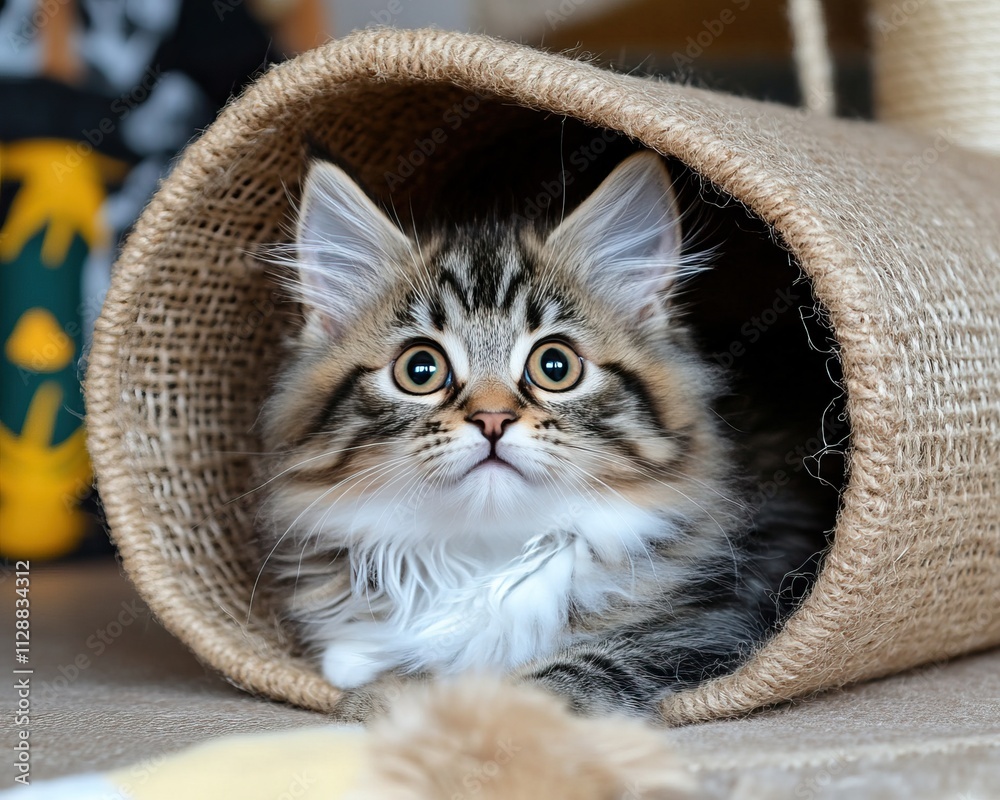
903	252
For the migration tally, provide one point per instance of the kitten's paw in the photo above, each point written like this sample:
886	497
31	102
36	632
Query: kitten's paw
350	664
586	693
373	700
573	695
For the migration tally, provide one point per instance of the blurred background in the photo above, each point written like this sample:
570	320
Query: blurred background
99	96
740	46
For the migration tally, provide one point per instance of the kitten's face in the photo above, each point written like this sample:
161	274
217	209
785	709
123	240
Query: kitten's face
491	381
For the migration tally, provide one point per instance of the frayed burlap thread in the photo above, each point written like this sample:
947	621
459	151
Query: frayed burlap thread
903	254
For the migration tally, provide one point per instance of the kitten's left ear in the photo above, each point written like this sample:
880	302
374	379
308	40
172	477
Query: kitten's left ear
626	237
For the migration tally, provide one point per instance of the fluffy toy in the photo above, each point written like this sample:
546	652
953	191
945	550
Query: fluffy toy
484	739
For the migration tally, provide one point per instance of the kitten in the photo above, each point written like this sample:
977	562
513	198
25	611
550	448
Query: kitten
496	449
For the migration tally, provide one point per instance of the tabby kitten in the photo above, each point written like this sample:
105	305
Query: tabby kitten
496	450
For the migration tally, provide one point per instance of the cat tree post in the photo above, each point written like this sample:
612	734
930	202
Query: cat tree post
937	69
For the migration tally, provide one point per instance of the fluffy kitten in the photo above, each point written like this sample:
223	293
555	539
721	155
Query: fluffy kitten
495	449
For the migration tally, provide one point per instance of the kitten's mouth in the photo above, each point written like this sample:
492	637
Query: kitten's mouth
493	461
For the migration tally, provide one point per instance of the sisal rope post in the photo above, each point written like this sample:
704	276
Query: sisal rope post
811	52
937	69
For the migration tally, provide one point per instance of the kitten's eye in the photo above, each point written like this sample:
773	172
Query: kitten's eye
554	366
421	369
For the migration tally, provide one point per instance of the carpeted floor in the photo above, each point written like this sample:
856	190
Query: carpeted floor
111	688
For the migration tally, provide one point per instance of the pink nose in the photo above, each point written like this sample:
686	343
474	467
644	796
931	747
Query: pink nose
492	423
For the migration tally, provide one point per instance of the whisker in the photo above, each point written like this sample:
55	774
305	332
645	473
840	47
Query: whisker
614	459
273	478
322	496
645	472
631	529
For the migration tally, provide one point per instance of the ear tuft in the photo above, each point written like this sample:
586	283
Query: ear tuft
625	238
346	248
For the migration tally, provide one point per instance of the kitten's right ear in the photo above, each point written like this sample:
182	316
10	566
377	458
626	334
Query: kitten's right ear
347	249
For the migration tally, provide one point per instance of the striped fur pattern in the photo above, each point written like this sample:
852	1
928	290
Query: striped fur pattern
592	538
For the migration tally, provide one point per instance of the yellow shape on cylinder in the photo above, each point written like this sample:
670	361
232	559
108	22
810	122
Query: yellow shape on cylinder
38	343
40	484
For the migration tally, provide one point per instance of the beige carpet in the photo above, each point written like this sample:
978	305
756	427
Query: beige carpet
111	688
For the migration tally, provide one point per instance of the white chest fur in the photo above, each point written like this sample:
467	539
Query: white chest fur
464	606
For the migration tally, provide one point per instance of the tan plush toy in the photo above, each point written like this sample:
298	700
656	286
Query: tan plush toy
483	739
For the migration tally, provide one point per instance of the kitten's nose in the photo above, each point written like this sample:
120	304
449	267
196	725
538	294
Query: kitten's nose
492	423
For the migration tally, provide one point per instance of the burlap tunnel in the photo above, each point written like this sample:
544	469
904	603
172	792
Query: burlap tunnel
899	237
